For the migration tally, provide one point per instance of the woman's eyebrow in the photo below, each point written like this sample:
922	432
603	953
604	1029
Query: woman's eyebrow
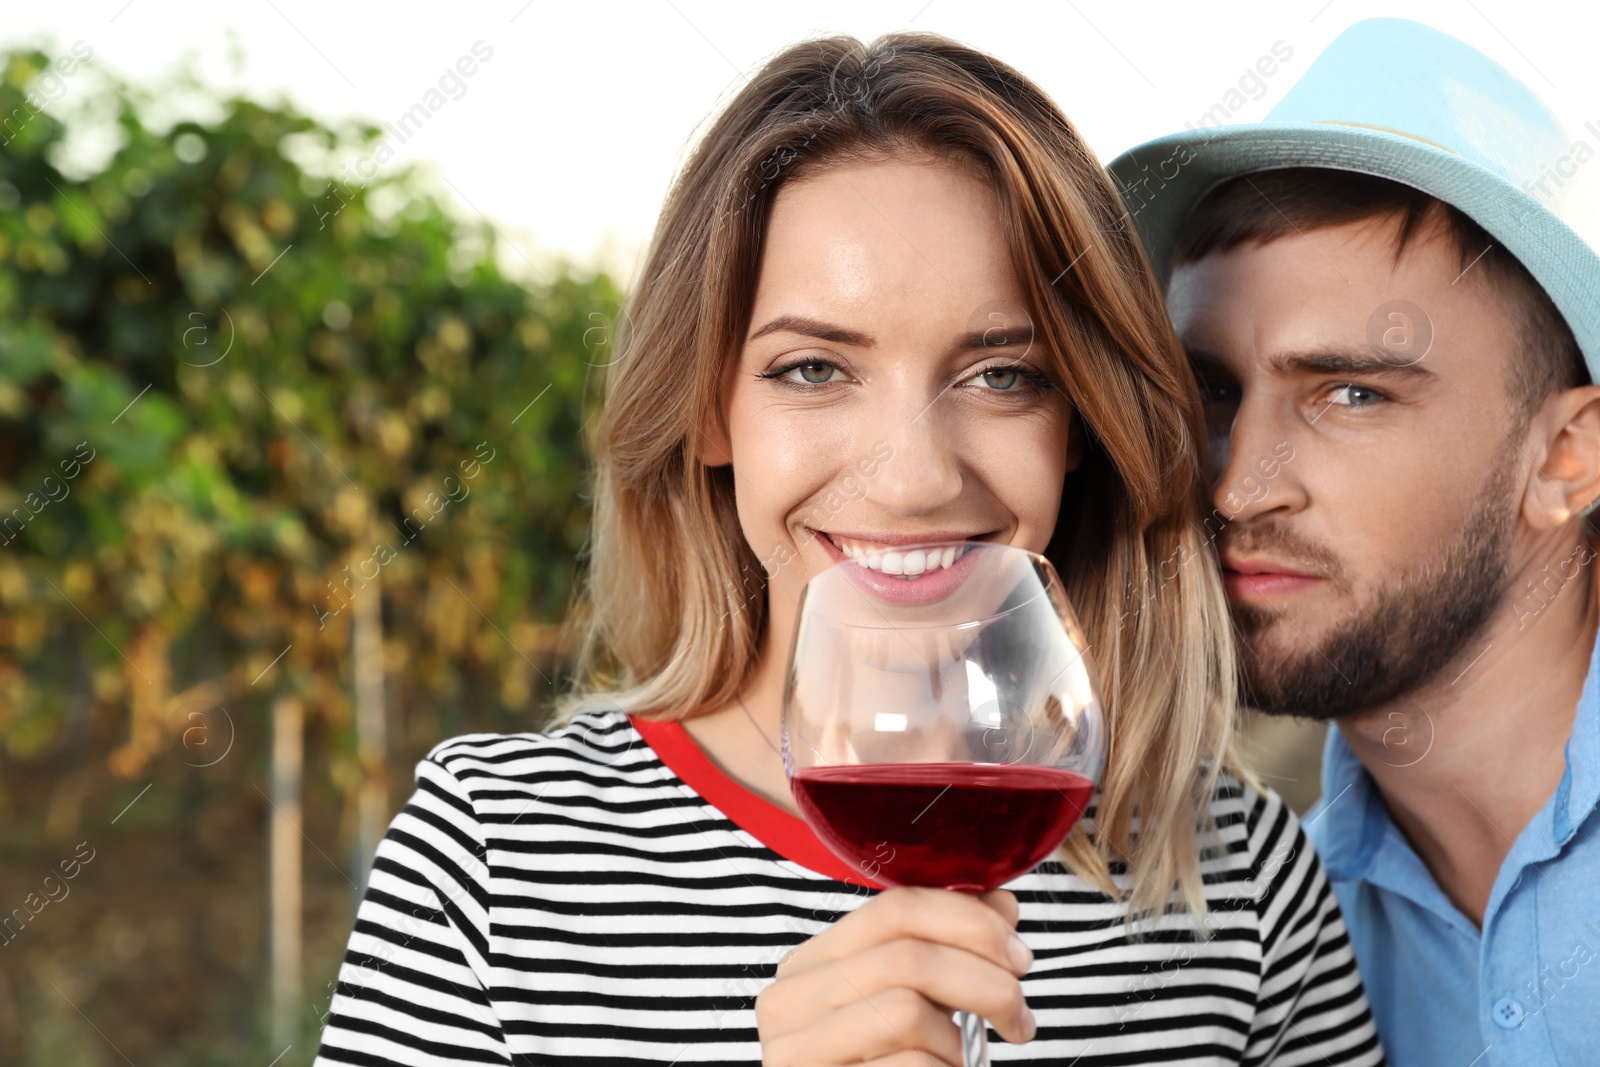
993	337
808	327
1020	334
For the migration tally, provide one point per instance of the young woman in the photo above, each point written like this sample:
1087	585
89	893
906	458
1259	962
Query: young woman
890	298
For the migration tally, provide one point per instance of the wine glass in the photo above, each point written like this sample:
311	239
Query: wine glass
941	728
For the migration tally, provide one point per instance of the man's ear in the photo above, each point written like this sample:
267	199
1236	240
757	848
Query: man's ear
1566	479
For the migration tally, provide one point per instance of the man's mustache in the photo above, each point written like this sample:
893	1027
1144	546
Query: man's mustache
1275	541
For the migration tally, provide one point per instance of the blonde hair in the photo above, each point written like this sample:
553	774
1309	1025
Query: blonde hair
671	620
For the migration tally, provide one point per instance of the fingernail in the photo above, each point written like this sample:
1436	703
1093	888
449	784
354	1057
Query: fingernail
1029	1026
1020	956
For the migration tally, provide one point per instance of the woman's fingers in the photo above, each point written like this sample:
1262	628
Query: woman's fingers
880	985
1004	902
884	1026
943	977
984	926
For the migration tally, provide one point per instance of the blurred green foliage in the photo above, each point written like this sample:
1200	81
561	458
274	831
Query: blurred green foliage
258	379
235	382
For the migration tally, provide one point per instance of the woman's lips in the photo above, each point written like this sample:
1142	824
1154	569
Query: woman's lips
927	588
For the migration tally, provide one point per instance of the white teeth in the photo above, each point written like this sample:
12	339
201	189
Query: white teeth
906	564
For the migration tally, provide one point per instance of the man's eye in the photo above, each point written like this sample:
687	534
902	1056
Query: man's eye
1356	396
1213	392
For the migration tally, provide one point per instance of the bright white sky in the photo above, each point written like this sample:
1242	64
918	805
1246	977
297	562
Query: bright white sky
568	136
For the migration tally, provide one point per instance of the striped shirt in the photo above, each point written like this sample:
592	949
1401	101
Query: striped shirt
602	893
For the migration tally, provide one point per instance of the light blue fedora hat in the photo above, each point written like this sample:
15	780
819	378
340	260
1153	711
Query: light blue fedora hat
1404	101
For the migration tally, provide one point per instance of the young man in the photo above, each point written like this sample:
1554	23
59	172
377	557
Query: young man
1390	292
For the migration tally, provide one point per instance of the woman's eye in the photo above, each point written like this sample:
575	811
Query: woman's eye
815	373
1001	378
1010	378
811	372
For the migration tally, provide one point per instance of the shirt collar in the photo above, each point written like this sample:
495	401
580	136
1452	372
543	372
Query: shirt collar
1580	784
1349	824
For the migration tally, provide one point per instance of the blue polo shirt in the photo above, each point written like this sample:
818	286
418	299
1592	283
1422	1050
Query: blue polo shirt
1524	992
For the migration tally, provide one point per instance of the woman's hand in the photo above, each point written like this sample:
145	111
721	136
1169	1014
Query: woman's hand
879	986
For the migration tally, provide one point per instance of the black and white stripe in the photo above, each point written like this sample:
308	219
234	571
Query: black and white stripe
565	898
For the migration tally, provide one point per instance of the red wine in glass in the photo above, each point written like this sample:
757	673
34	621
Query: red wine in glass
966	826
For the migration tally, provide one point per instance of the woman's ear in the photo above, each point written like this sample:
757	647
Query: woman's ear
1075	440
1566	478
713	449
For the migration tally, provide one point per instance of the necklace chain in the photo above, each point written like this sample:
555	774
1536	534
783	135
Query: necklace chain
757	725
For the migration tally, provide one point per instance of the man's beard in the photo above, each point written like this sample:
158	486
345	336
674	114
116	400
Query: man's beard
1398	643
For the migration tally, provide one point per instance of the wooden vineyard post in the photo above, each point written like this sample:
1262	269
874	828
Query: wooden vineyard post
372	799
284	838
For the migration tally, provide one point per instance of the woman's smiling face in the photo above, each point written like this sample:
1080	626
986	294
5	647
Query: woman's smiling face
888	389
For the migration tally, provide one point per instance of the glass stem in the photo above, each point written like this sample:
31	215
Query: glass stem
974	1039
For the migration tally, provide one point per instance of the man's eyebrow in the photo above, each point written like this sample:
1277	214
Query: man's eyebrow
1364	362
1350	361
1203	360
993	337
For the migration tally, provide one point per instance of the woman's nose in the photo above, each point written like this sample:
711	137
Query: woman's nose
924	473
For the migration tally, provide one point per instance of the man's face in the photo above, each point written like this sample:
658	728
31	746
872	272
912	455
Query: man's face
1362	448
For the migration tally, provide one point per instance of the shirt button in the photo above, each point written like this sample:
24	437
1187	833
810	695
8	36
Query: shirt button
1508	1013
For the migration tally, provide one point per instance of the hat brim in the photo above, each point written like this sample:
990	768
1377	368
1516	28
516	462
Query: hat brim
1163	180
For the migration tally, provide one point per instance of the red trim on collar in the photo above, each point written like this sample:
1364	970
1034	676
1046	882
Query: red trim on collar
784	833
